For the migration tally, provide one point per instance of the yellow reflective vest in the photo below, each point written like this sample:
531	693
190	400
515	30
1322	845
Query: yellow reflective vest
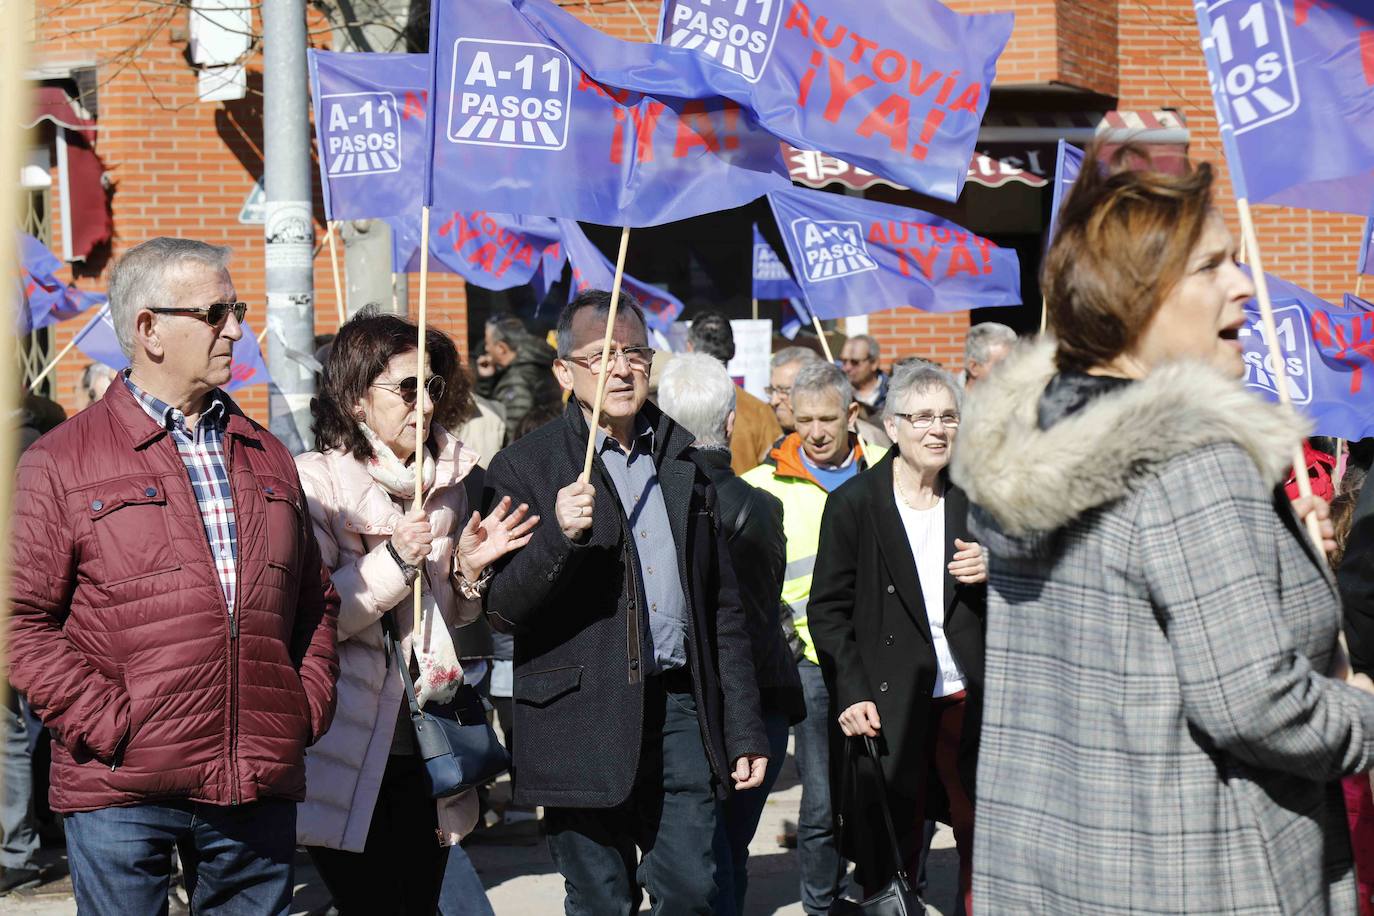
786	476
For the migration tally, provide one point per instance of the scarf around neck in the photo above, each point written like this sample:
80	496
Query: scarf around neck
394	476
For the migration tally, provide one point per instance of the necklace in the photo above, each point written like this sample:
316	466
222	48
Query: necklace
901	490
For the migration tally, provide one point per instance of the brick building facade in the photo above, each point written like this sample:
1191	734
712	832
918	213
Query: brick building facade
184	167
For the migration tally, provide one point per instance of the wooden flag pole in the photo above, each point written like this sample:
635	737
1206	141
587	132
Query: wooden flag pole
1250	241
1359	285
830	358
52	364
605	354
334	267
754	308
262	334
421	392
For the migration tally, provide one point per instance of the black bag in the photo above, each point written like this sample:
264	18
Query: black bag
459	747
899	897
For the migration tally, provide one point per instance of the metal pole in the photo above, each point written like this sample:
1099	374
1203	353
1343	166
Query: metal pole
290	227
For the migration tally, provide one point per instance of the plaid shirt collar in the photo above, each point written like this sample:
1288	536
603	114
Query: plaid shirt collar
170	418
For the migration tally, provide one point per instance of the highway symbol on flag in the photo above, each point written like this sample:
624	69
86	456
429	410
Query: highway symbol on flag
767	264
1257	71
832	249
737	33
362	134
509	93
1295	349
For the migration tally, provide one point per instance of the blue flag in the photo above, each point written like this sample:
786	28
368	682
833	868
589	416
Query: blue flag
854	256
1293	83
98	342
1068	161
1365	264
370	131
1326	350
46	299
771	279
893	86
592	270
517	127
490	250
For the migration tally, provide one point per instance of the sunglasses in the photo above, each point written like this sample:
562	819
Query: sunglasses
212	314
408	389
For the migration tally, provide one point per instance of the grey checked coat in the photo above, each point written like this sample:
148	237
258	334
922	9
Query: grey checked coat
1157	735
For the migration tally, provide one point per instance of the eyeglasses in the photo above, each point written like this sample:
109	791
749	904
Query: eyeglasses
408	389
927	420
212	314
777	390
639	359
851	361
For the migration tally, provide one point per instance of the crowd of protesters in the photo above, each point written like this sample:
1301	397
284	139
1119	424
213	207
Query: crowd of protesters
1059	591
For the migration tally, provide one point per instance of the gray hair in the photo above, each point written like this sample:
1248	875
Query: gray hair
696	391
983	337
910	380
94	373
145	277
873	351
789	355
507	329
821	377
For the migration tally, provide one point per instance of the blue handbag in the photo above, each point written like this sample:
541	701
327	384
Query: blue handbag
459	747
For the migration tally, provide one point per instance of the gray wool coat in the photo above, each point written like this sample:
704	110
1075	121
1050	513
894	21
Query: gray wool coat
1158	735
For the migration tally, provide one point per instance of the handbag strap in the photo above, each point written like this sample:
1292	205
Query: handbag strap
872	747
393	646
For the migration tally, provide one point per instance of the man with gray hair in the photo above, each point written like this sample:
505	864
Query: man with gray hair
696	391
171	620
986	345
783	369
820	455
859	357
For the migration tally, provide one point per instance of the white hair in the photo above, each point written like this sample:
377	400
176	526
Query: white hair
918	379
147	275
696	391
789	355
983	337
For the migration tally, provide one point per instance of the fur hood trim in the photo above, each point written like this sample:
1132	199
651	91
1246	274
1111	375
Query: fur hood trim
1031	480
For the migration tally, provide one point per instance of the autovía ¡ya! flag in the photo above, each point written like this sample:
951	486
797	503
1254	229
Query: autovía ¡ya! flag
1068	161
98	342
370	131
854	256
1328	353
45	299
517	127
490	250
897	87
1293	83
593	270
771	279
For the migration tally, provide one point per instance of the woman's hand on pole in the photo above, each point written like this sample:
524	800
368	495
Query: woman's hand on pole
486	540
1308	505
412	537
861	719
969	565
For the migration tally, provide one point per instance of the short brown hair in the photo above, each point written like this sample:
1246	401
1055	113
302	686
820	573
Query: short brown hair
1122	243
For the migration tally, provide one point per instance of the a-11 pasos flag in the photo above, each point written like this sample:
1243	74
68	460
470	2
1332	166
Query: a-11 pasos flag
1328	354
771	279
98	342
1293	83
593	270
370	131
854	256
491	250
517	127
1068	162
893	86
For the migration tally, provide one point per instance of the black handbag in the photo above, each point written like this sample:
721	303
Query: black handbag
459	747
899	897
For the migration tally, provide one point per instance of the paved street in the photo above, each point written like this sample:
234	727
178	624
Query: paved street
520	879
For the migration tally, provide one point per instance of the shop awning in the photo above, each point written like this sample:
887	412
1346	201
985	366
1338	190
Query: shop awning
1020	147
83	195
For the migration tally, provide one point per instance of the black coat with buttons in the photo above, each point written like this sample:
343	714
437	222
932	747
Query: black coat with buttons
869	620
582	631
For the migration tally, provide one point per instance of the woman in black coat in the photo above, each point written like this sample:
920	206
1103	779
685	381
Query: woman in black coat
896	610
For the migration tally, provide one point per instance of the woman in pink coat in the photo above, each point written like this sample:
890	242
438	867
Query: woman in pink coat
376	837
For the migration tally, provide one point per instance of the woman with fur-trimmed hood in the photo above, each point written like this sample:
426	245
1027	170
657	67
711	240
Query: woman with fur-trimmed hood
1160	733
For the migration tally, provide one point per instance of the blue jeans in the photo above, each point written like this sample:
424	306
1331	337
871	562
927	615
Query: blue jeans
18	834
462	893
237	860
822	869
739	818
670	815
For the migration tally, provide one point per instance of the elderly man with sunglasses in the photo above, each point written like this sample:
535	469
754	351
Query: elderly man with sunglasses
172	622
635	696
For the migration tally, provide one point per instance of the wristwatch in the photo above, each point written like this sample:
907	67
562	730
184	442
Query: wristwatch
410	572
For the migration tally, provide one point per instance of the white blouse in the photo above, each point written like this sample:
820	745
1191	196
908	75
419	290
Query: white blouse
925	532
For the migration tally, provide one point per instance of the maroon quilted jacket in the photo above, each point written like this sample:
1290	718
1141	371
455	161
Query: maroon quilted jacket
120	636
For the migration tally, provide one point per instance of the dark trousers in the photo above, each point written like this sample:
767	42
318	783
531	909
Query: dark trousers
401	868
739	818
822	868
670	815
237	860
